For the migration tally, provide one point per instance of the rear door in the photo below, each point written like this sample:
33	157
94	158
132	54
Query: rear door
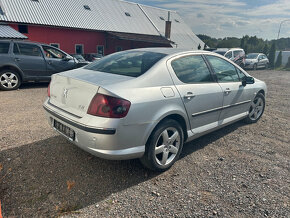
201	95
56	60
29	59
236	97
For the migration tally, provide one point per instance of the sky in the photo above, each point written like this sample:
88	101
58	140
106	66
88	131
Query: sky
224	18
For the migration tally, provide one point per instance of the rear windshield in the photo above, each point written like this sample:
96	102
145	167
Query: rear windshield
220	52
127	63
252	56
4	47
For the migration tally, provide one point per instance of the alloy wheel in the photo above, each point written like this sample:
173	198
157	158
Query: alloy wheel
9	80
256	109
167	146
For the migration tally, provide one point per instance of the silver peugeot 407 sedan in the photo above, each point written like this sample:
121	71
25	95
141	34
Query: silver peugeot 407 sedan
145	103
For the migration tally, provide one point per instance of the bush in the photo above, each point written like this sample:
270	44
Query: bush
279	60
272	55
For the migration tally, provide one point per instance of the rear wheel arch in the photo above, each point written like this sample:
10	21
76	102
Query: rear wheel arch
15	69
178	118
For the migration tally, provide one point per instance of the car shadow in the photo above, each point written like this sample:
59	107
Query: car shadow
34	85
52	176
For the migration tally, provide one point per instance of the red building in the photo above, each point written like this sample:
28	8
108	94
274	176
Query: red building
103	26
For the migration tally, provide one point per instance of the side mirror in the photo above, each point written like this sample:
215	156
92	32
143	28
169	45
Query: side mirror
248	80
67	58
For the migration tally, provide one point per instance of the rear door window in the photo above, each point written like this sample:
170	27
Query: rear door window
191	69
4	47
127	63
225	71
16	49
29	50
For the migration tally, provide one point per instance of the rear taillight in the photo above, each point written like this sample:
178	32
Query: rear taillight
48	90
108	106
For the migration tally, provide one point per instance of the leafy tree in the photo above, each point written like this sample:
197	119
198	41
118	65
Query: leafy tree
266	49
272	55
279	60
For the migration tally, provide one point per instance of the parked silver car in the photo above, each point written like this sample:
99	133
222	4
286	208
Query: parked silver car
256	60
146	103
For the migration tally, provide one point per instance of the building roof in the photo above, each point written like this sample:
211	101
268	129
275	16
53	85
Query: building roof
141	38
102	15
7	32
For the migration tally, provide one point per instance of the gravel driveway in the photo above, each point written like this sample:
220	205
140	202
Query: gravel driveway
238	171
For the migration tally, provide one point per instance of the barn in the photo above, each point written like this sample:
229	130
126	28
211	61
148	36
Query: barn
94	26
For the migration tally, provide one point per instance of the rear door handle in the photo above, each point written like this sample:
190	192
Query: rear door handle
227	91
189	95
17	59
49	62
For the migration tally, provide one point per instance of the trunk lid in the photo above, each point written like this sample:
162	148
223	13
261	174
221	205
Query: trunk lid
72	91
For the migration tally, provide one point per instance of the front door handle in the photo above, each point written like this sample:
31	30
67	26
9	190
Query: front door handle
49	62
227	91
17	59
189	95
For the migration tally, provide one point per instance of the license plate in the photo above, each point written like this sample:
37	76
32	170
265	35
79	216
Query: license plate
68	132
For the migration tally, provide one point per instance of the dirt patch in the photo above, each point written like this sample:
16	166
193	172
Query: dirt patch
238	171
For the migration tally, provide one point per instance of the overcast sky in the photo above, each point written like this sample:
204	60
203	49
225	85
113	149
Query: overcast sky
220	18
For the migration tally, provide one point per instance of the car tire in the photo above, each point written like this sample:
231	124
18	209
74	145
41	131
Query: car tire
9	80
164	146
255	67
256	109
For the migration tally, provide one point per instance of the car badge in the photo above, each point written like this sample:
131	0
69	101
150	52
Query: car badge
65	93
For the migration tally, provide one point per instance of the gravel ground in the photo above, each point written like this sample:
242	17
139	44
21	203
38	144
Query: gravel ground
238	171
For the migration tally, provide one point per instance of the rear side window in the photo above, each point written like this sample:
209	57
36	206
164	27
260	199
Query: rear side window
127	63
225	71
228	55
191	69
238	53
4	47
29	50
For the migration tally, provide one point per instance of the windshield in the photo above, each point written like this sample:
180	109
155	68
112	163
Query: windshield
220	52
252	56
79	57
127	63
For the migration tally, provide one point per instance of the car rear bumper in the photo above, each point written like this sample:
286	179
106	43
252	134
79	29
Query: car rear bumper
100	142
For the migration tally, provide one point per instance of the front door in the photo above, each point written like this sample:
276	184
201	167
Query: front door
236	97
201	95
29	59
56	60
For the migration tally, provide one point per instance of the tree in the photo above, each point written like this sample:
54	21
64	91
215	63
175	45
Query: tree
272	55
279	60
266	49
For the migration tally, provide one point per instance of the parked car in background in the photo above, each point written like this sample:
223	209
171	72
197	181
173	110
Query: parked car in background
256	60
93	57
146	103
23	61
81	60
236	55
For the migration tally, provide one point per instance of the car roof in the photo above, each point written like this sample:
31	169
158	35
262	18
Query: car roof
170	51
